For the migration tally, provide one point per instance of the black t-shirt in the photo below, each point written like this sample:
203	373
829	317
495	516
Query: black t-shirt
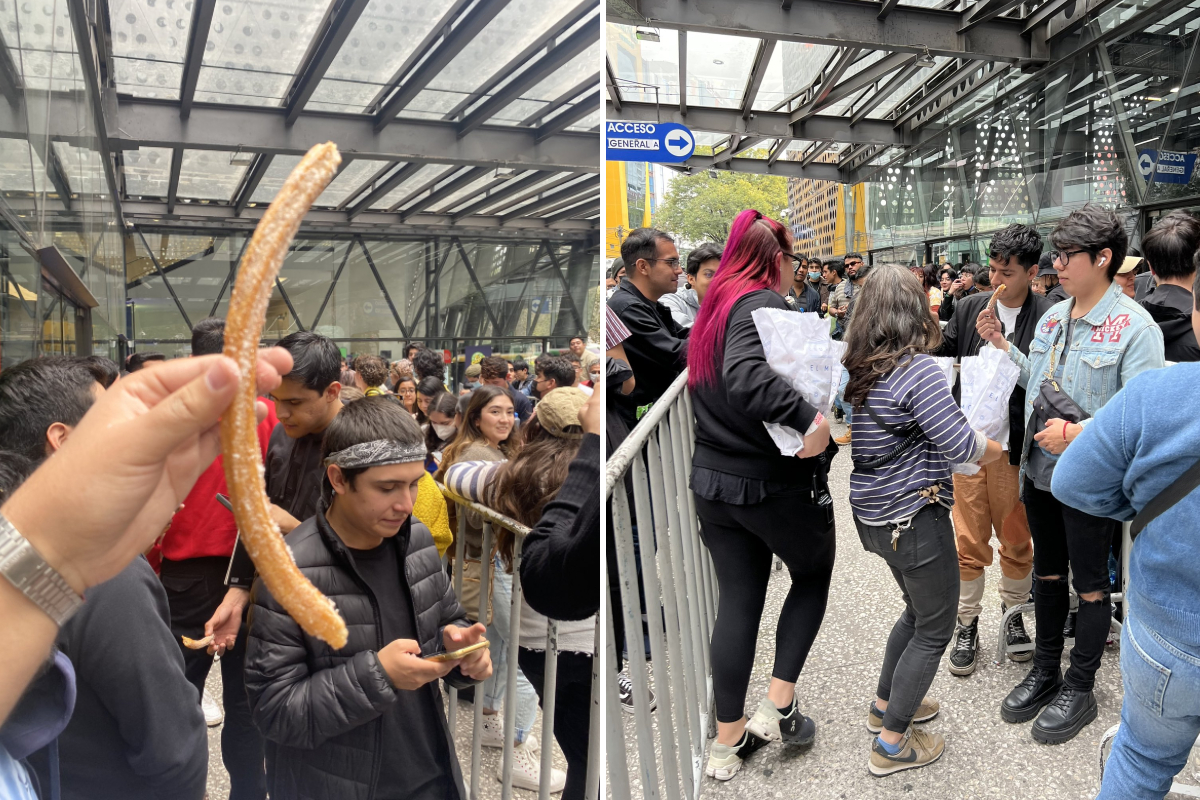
415	762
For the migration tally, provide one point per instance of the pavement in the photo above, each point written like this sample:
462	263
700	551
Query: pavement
985	757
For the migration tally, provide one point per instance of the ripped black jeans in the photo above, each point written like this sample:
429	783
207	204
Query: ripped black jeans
1066	538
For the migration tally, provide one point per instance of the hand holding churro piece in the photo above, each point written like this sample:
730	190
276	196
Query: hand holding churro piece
264	256
196	644
991	306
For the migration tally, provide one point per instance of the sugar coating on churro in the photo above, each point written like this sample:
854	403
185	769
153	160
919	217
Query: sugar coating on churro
261	263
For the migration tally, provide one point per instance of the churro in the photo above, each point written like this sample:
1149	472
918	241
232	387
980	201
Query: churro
991	306
197	644
313	611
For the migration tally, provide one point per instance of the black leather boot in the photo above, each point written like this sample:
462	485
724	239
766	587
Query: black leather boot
1040	687
1066	715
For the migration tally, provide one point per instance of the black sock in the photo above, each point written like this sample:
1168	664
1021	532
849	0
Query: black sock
788	708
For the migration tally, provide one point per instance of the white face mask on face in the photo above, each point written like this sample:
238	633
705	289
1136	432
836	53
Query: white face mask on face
444	431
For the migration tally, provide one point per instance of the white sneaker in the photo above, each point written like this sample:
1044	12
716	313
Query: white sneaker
213	715
493	730
527	771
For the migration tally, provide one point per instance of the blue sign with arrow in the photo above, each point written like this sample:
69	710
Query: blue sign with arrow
1166	166
657	142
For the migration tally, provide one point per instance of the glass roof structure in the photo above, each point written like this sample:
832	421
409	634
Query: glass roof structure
451	115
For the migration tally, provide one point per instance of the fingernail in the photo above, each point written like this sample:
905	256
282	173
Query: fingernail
221	376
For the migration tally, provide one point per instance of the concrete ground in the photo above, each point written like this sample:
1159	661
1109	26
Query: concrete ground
985	757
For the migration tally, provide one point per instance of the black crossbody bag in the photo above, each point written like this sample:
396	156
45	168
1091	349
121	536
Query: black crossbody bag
1184	485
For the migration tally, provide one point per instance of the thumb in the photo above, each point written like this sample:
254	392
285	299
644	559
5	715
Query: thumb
192	409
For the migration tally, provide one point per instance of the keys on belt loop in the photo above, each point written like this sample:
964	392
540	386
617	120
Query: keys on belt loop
897	530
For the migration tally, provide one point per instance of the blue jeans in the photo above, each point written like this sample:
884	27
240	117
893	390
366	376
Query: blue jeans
1160	717
840	400
498	634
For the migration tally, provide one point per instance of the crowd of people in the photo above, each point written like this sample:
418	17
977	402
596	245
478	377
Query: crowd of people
1089	441
110	702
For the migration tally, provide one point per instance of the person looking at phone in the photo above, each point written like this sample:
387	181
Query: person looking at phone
365	720
1085	350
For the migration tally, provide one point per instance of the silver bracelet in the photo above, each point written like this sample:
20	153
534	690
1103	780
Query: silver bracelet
25	569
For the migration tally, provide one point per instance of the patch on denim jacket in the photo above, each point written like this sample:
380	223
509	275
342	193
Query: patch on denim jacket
1049	325
1111	328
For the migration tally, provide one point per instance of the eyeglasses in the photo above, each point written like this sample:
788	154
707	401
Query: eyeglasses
1063	256
670	262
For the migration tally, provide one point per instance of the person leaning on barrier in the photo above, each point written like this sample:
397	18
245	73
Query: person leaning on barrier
743	487
1120	466
907	432
130	462
520	489
657	347
702	264
1084	351
365	720
990	499
1171	247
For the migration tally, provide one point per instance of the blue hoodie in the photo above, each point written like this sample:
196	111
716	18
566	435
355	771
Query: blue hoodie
1134	448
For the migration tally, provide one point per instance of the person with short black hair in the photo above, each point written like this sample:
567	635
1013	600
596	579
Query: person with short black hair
365	720
41	400
1170	249
1084	351
412	347
142	360
428	364
833	272
104	370
553	372
427	389
946	277
657	345
578	346
702	264
522	381
801	296
493	371
1047	279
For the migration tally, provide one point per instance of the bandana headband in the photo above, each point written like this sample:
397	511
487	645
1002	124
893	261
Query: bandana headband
377	453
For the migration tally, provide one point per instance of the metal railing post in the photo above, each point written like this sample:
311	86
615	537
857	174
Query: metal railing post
485	596
618	772
549	688
510	689
457	573
592	787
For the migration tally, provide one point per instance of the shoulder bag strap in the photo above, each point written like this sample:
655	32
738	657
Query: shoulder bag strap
909	433
1181	488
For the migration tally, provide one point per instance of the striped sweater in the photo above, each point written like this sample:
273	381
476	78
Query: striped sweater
914	391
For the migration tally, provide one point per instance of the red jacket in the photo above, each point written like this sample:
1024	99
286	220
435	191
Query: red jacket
204	527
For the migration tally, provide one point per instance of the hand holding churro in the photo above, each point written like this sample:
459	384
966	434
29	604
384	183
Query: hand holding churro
196	644
264	256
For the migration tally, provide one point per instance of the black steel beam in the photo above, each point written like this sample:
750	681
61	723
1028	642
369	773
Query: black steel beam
366	185
514	186
265	130
762	58
572	114
386	294
986	10
383	189
202	14
872	74
576	190
487	307
589	203
579	326
288	302
54	168
170	289
81	29
759	166
466	27
975	75
443	191
563	100
531	76
614	94
886	7
173	181
682	74
332	284
828	80
11	85
250	183
339	20
883	93
845	23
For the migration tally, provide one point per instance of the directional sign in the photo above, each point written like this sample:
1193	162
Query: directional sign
1167	166
658	142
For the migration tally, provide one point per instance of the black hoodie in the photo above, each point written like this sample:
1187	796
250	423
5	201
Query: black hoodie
1171	307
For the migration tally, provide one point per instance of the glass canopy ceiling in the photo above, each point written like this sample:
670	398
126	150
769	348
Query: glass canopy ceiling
477	113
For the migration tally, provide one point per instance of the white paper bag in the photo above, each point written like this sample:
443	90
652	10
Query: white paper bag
799	348
988	380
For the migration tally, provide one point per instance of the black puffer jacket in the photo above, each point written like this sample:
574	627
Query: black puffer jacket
320	708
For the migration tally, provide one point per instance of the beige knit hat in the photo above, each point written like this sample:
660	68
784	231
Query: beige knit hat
474	371
559	410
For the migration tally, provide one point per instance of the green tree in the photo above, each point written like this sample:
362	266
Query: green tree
699	208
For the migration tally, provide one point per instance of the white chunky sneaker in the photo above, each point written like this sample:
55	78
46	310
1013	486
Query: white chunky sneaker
213	715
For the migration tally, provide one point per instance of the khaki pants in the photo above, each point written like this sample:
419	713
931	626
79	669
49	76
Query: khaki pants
986	501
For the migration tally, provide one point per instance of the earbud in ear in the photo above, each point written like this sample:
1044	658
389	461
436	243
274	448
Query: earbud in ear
1103	259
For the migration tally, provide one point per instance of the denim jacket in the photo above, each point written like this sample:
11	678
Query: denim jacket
1110	344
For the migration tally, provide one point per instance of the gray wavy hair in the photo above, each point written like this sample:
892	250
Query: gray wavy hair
891	323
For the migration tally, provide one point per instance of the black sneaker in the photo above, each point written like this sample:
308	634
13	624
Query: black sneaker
966	642
1065	717
625	692
1015	636
1027	698
1069	627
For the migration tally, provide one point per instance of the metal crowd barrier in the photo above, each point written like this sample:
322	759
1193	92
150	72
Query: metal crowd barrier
490	520
681	602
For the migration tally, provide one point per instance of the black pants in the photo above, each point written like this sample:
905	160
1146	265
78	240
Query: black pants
1066	538
195	588
741	540
924	563
572	710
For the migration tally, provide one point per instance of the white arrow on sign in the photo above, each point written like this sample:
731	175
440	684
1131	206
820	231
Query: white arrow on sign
679	143
1146	164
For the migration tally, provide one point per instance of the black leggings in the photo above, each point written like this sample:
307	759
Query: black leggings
572	710
741	540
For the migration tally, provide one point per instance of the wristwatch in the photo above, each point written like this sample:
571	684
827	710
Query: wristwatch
25	569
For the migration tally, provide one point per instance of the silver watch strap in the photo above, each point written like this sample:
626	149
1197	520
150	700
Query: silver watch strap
25	569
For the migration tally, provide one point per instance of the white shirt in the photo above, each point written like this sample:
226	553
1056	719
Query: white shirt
1008	316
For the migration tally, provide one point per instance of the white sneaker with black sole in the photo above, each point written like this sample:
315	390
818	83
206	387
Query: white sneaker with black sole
625	691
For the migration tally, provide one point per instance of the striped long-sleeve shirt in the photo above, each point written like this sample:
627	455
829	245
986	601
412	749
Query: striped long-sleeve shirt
914	391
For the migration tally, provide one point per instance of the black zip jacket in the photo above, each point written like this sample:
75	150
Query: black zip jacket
810	301
1171	307
320	708
960	340
656	347
730	435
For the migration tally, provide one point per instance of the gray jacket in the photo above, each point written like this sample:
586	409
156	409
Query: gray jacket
684	306
320	708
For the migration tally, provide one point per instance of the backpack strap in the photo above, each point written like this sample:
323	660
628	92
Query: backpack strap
1181	488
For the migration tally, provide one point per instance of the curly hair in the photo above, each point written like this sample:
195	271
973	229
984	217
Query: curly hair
373	369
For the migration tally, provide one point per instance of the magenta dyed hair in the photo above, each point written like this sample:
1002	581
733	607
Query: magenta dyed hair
750	262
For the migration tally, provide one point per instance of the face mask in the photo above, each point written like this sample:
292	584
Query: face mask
444	431
814	276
